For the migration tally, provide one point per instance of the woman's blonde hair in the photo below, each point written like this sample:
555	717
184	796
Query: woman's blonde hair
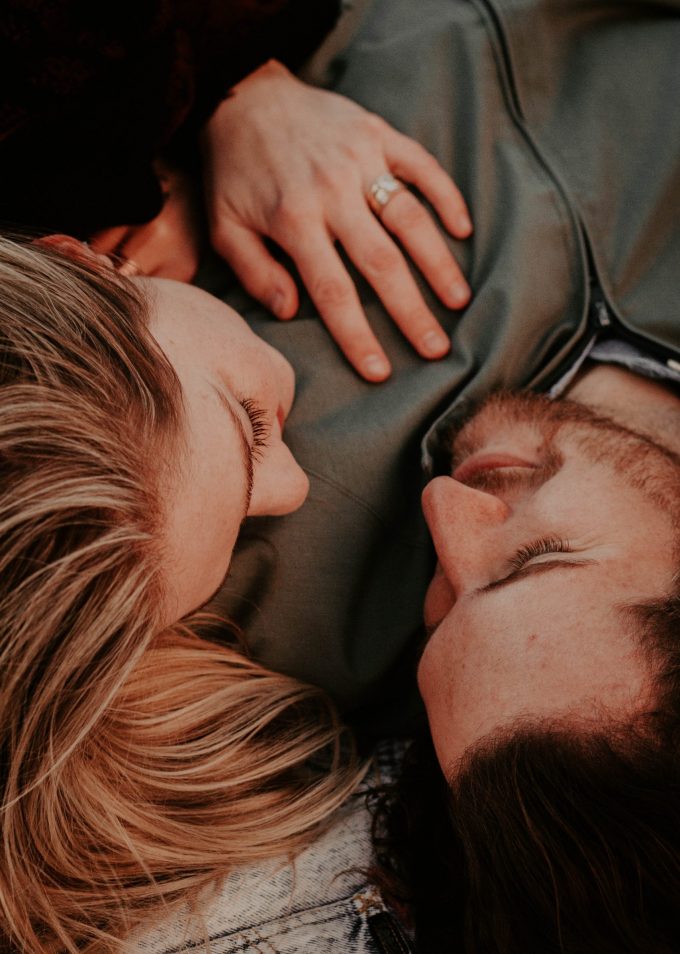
138	764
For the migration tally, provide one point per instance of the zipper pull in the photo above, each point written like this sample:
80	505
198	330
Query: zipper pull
602	315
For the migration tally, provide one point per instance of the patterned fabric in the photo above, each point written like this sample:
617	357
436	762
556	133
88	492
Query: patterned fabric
321	902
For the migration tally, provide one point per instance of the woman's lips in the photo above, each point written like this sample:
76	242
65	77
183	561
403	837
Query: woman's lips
488	461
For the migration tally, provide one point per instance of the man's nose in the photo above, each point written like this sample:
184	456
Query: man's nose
463	522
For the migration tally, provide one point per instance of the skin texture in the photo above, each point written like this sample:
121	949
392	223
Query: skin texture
167	247
294	164
545	643
232	461
291	163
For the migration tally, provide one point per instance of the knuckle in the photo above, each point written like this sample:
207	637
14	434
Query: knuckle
382	260
292	215
375	124
331	177
419	322
330	293
426	160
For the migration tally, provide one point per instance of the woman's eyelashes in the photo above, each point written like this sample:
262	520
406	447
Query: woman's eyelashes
538	548
260	426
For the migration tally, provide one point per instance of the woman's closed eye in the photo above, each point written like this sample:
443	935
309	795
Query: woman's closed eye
260	426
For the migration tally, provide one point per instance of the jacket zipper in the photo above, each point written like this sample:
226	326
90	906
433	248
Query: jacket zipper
603	317
600	313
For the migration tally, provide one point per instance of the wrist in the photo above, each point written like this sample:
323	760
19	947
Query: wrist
272	69
268	72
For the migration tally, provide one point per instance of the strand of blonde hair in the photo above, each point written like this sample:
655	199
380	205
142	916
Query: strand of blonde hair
139	764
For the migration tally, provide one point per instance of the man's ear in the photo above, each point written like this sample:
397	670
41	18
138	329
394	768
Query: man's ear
74	248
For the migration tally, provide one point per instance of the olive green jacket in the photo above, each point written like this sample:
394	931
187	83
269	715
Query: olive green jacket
560	122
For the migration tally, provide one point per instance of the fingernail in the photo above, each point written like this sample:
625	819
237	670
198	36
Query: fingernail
278	304
375	366
435	343
460	295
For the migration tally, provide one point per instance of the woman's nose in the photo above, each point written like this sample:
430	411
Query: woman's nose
463	523
280	485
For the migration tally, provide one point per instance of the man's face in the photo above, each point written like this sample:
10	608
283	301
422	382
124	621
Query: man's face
553	519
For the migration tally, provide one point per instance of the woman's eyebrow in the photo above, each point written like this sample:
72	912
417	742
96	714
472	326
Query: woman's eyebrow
247	450
532	569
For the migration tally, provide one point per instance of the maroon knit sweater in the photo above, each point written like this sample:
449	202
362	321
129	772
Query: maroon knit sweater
91	92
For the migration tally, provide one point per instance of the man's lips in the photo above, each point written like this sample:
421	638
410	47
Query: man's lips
488	461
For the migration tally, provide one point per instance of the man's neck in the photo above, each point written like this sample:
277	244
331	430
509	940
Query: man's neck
639	403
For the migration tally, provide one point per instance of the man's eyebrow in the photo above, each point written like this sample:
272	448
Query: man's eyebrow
245	446
533	569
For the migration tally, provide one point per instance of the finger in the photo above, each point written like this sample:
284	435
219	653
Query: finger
157	251
140	254
408	160
406	218
178	267
333	292
109	241
258	271
380	261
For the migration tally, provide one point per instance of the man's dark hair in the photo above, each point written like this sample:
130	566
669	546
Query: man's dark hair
549	838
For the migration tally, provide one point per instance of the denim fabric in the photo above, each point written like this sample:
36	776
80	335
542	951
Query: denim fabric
321	902
624	354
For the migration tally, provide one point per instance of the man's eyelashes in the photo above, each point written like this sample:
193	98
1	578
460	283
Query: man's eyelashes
538	548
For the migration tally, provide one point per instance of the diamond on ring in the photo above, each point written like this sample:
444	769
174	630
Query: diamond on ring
382	190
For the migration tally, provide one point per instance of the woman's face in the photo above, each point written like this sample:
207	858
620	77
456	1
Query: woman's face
231	460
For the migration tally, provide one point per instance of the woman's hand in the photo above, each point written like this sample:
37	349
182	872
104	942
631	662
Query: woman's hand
166	247
295	164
